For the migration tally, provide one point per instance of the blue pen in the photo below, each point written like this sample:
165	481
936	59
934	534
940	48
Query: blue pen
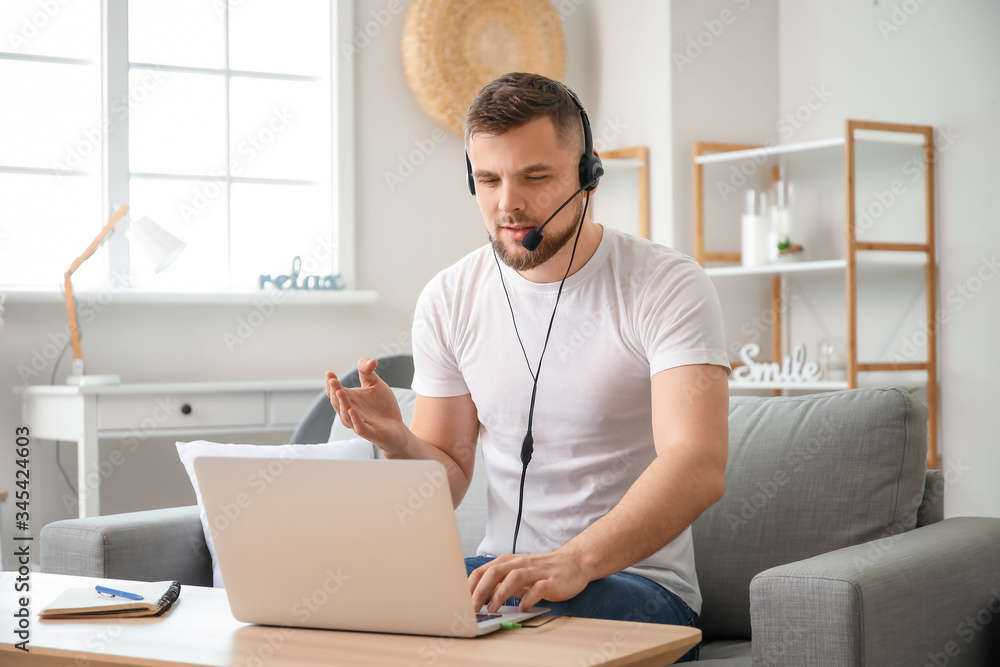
117	593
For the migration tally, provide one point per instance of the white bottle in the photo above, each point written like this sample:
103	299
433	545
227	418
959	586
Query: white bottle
756	227
781	219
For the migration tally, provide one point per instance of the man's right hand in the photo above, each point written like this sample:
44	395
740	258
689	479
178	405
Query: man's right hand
370	410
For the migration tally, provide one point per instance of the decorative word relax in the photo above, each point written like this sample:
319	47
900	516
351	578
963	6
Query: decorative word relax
792	368
330	282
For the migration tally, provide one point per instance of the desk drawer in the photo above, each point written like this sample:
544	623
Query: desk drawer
152	412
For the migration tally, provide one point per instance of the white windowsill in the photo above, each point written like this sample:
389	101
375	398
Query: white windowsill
14	295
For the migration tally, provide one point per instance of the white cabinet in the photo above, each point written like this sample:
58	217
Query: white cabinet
133	412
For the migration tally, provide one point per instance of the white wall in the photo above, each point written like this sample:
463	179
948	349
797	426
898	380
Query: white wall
628	84
724	68
911	62
937	64
405	234
403	237
942	67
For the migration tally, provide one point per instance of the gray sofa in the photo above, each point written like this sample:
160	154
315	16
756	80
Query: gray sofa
828	547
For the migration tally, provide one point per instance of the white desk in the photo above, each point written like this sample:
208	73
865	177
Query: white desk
136	412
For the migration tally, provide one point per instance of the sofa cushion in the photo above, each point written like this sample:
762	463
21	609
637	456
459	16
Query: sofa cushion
726	653
806	475
356	448
932	507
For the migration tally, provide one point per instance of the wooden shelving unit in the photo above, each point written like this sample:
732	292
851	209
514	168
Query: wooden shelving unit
859	255
636	157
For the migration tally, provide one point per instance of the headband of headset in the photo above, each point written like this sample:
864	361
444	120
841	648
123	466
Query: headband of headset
591	168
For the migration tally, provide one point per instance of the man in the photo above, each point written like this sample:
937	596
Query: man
630	422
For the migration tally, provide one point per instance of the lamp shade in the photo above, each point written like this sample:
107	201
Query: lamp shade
159	246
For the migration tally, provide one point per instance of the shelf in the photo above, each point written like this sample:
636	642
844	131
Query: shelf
897	261
865	379
622	163
860	137
866	261
769	269
822	385
130	389
283	297
768	151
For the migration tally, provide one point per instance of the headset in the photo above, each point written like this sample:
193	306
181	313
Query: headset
591	168
590	171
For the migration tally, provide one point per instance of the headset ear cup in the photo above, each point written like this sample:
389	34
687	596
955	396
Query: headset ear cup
468	174
591	170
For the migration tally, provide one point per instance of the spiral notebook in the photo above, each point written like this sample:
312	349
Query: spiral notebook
87	602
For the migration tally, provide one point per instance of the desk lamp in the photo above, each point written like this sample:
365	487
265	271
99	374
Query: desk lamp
160	247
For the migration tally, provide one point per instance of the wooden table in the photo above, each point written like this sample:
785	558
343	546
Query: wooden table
201	630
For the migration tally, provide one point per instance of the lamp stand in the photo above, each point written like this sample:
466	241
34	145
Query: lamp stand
77	375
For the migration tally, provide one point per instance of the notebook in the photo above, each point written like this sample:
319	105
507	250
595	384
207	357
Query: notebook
342	545
87	602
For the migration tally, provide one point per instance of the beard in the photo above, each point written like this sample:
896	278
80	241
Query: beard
520	258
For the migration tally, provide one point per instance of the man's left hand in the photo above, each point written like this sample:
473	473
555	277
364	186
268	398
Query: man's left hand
556	576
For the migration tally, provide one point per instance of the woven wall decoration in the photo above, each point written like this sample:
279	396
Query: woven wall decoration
452	48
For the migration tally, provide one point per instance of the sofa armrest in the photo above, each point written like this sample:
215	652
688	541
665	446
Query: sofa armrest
926	596
155	545
931	508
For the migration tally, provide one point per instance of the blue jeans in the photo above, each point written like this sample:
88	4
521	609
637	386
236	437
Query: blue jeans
620	597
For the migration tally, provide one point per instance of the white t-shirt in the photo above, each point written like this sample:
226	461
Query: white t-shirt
633	310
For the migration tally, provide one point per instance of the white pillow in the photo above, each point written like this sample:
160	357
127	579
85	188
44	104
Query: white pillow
354	449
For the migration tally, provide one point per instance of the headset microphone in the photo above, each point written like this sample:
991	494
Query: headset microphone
534	237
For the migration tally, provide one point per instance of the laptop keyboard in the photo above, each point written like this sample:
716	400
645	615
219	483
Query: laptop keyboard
485	617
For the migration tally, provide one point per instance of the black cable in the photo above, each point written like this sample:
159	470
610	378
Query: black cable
55	368
520	503
518	333
62	470
528	445
538	625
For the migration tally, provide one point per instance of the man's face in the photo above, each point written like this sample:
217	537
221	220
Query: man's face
522	177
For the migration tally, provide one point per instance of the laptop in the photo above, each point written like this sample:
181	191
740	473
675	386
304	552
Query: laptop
342	545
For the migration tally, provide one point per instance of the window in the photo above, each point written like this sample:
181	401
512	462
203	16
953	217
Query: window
218	120
50	146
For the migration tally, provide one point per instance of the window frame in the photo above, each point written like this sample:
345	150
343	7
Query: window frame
115	172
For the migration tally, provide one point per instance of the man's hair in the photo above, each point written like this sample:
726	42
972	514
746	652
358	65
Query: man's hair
518	98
